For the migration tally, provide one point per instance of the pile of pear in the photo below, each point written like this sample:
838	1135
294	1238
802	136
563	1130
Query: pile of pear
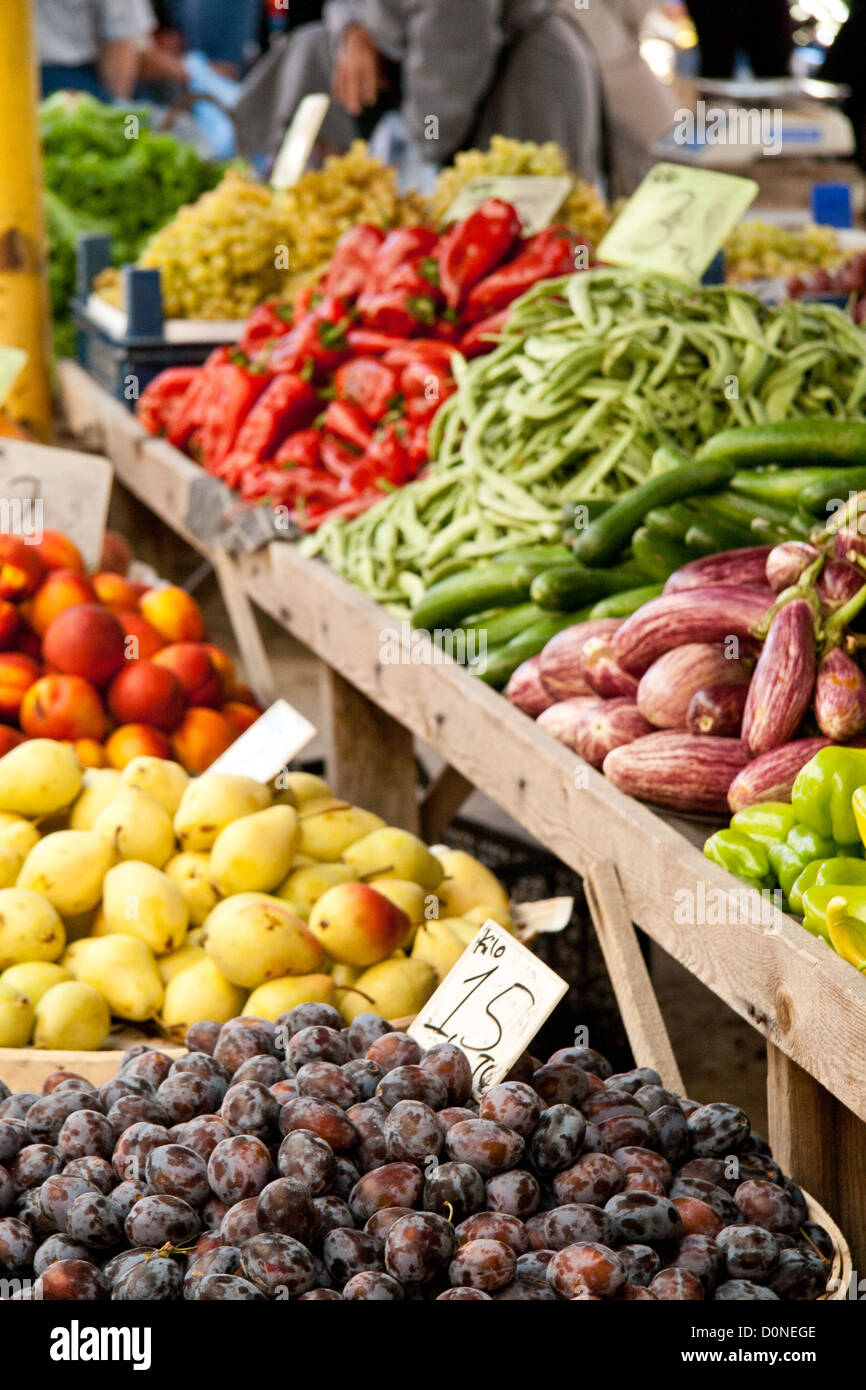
145	895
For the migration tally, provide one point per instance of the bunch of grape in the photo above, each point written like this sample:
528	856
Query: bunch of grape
761	251
307	1161
584	210
849	282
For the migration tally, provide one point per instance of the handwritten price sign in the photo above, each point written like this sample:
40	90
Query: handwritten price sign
492	1003
677	220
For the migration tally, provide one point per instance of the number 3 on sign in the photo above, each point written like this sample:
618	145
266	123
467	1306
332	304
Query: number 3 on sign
491	1004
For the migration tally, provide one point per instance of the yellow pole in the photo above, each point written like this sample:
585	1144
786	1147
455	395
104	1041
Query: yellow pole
24	320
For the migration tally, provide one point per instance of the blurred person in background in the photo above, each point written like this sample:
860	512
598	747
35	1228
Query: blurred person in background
92	46
762	29
638	108
223	30
844	64
457	71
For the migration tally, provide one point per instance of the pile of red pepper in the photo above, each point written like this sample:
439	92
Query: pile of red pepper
326	403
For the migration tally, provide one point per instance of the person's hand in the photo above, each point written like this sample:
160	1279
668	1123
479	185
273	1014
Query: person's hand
358	72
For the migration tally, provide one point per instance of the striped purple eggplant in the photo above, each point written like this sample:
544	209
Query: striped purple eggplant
666	689
614	723
559	667
525	690
713	614
681	772
772	776
731	568
840	697
837	583
560	720
602	673
784	679
786	562
718	709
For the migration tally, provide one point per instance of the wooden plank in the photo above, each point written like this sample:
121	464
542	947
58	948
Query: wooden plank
441	802
254	657
790	986
820	1144
371	758
629	976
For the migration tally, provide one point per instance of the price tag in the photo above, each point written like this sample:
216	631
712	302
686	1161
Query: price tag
537	199
12	361
677	220
42	488
267	746
299	140
491	1004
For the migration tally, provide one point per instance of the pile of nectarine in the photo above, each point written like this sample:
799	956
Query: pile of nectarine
114	667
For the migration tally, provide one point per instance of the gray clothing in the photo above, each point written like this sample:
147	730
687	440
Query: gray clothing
512	67
71	32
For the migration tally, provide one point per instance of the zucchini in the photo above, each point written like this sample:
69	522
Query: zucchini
781	486
506	624
624	604
501	663
573	586
764	521
472	591
605	537
673	521
812	440
816	497
711	537
657	555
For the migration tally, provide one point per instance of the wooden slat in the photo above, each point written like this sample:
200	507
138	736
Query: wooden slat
790	986
256	663
441	802
371	760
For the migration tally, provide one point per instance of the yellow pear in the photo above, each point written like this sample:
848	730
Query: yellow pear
17	837
201	992
72	1016
191	872
253	937
345	975
179	960
141	901
278	996
16	1016
394	853
328	828
196	936
161	779
68	868
468	884
39	778
100	787
465	930
303	787
392	989
34	978
82	924
410	897
306	885
10	867
357	925
437	943
30	928
477	916
124	971
302	861
253	854
213	801
137	826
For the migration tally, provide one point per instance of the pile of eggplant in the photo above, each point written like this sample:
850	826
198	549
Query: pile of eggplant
714	695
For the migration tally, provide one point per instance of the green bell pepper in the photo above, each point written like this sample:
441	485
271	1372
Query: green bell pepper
787	865
740	855
824	790
803	883
850	872
807	842
767	821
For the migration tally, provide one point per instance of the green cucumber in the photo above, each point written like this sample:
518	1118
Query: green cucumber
574	586
506	624
605	537
811	440
763	520
673	521
623	605
781	486
816	497
474	590
501	663
657	554
711	537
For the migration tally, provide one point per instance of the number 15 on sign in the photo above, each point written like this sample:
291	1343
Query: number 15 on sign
491	1004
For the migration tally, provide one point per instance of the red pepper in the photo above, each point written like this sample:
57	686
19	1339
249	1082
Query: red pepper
300	450
232	394
285	486
353	260
364	340
161	402
387	456
426	380
471	249
401	245
348	422
420	411
338	458
543	257
418	350
288	404
317	343
447	331
369	384
398	312
313	515
266	323
417	447
476	342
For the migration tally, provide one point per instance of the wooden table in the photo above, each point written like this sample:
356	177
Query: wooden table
639	867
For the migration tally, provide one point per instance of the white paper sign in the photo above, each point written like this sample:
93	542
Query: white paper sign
491	1004
42	488
267	746
299	140
537	198
546	917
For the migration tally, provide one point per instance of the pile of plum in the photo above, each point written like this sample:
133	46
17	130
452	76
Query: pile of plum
302	1160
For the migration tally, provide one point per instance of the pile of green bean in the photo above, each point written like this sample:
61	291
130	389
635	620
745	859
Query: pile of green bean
593	373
